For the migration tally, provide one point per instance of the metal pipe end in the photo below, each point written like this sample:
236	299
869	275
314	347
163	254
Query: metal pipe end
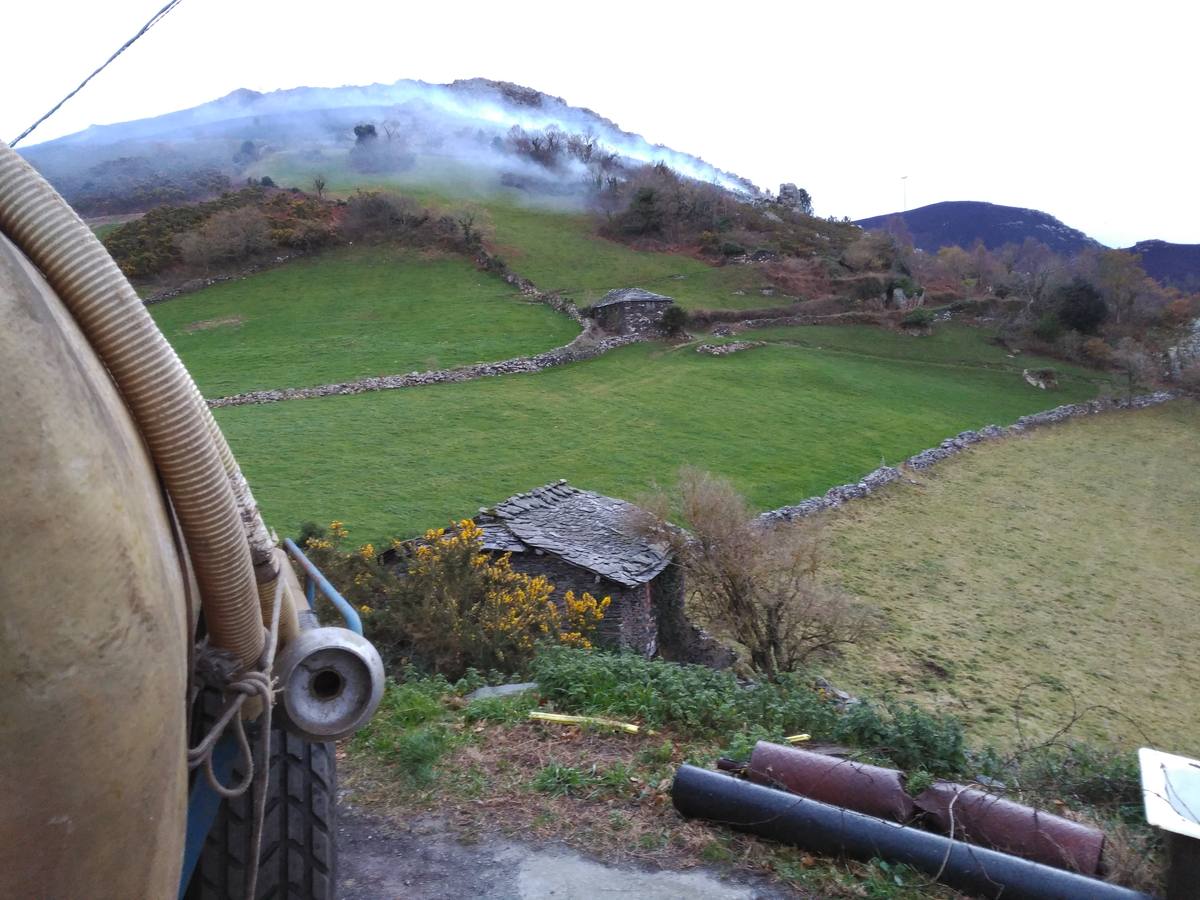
331	682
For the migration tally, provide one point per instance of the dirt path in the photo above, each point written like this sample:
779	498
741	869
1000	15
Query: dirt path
424	859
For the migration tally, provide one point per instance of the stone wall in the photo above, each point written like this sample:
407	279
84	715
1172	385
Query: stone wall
679	639
586	346
491	263
196	284
884	475
632	316
731	347
629	623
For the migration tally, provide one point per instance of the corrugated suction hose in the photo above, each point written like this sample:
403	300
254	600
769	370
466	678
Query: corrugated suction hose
184	441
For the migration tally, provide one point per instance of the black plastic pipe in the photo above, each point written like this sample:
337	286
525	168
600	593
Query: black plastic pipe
789	819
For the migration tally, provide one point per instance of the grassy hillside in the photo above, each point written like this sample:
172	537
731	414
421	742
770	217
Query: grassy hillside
784	422
561	252
352	313
1068	554
949	344
557	249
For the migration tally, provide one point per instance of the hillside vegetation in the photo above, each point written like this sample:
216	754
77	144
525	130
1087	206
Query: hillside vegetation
784	422
1065	558
352	313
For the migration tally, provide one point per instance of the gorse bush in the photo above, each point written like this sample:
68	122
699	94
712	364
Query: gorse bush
452	606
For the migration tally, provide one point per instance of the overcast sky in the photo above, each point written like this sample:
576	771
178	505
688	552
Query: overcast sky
1087	110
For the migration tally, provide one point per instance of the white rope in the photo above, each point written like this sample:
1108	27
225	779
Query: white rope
244	687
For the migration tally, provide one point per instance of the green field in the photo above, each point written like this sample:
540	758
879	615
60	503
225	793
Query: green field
353	313
558	250
783	422
1068	554
561	252
948	345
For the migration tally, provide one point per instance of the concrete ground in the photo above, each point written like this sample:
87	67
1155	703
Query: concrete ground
423	859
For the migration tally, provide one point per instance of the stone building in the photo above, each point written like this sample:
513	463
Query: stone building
583	541
630	311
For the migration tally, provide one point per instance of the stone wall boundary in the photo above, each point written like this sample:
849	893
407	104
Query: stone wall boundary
586	346
884	475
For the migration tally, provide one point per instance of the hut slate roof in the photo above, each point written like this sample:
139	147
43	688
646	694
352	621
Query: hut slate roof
630	295
583	528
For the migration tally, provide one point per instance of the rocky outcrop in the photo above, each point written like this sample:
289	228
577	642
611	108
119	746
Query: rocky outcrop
885	475
1184	354
586	346
1045	379
731	347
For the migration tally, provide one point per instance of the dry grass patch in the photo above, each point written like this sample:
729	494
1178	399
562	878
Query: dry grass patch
220	322
1065	560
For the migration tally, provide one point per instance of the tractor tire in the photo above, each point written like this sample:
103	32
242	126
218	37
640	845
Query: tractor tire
298	856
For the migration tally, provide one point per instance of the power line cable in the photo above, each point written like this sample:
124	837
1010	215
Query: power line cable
154	20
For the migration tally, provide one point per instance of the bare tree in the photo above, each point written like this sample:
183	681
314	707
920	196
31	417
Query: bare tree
1134	362
472	234
318	184
756	584
226	238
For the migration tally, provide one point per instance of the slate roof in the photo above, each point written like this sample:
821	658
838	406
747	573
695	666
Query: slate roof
583	528
630	295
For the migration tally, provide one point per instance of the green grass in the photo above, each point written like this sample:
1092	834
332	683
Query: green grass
352	313
557	249
783	422
948	345
1068	554
561	252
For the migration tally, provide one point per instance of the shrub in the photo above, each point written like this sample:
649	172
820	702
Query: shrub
1048	328
1079	306
674	320
693	697
1100	777
758	586
226	238
224	232
873	251
918	318
867	288
906	735
455	606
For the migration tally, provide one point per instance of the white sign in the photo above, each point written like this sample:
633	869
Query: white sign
1171	788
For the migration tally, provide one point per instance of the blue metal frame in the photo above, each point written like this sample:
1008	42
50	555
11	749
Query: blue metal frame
313	579
204	802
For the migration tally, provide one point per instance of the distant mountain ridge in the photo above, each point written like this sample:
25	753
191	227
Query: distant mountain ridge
466	120
1177	265
963	222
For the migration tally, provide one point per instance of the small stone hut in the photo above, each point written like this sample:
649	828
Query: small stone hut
584	541
630	311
